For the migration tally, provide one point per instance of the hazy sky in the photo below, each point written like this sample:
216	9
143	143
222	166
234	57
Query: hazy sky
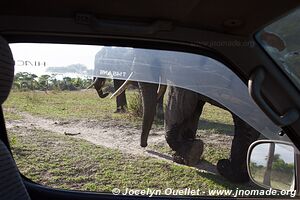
55	55
260	152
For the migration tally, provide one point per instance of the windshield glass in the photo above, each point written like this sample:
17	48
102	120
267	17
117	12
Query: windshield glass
128	121
281	41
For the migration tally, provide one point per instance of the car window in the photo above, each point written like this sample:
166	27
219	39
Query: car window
69	127
281	41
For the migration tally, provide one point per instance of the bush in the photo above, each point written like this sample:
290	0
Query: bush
136	104
32	98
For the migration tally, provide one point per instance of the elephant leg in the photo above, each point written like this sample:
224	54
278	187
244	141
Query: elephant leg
235	168
191	149
121	99
149	97
181	122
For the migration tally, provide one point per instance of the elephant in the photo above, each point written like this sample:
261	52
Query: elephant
152	94
184	107
152	97
182	113
111	56
121	100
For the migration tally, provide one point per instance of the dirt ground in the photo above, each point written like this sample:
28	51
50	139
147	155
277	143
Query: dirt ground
112	135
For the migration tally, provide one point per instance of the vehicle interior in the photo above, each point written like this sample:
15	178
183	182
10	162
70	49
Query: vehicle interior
225	32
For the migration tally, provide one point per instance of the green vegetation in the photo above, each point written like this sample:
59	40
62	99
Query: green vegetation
282	173
67	105
61	161
211	154
10	114
135	104
64	162
216	120
25	81
85	104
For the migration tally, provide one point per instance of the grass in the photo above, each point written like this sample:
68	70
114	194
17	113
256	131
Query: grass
279	180
216	120
85	104
61	161
211	154
10	114
64	162
66	105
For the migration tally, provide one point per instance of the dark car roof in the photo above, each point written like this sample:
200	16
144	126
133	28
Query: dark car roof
223	30
234	16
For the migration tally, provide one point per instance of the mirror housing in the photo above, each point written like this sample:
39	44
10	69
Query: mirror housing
273	164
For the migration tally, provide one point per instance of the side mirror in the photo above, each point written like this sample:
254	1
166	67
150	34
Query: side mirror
272	164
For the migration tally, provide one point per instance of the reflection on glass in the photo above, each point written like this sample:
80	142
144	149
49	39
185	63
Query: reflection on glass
272	165
67	66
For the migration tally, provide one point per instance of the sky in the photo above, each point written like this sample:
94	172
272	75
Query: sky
260	152
54	55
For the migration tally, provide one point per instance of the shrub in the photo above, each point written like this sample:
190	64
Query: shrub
136	104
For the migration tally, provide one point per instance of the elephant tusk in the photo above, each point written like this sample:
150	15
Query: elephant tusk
93	83
122	88
159	84
161	89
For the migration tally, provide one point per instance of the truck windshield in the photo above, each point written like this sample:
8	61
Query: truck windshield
281	41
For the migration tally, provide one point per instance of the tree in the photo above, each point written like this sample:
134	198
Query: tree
269	158
43	82
26	80
54	83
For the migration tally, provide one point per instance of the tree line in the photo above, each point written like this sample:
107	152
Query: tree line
24	81
279	166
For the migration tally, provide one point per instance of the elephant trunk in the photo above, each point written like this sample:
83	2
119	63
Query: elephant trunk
98	84
101	94
149	94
